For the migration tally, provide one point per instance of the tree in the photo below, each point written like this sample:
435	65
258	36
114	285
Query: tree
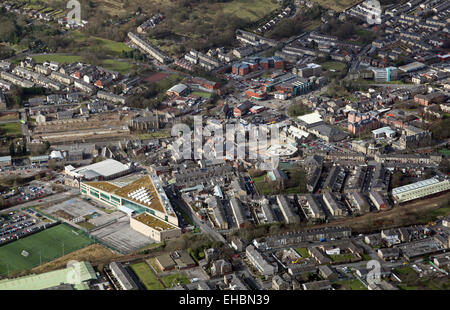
12	150
297	109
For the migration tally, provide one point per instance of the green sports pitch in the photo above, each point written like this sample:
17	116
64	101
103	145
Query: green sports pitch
43	246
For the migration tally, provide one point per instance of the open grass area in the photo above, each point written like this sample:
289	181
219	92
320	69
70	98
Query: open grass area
342	257
353	284
100	44
333	65
250	10
202	94
10	130
411	281
63	59
303	252
154	265
432	215
160	134
175	279
46	245
445	152
296	181
111	64
337	5
147	277
120	66
87	225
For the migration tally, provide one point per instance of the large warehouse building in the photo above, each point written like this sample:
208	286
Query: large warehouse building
104	170
420	189
144	200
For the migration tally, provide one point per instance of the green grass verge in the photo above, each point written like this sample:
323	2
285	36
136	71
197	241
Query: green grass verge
173	279
152	262
48	243
147	277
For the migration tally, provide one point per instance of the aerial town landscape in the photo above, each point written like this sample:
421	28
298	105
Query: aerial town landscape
224	145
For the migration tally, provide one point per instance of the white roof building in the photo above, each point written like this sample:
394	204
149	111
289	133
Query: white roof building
420	189
311	118
106	169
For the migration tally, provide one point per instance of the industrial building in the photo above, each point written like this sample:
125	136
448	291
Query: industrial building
104	170
420	189
58	279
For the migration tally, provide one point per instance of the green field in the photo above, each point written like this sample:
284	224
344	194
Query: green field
48	243
100	44
445	152
333	65
342	257
10	130
303	252
337	5
64	59
250	10
147	277
119	66
354	285
174	279
202	94
111	64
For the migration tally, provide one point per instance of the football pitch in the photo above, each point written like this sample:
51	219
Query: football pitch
43	246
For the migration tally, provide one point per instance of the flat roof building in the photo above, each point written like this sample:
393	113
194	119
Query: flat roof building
105	170
420	189
53	279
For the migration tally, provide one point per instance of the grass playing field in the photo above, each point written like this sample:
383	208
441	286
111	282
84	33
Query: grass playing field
47	244
147	277
10	129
